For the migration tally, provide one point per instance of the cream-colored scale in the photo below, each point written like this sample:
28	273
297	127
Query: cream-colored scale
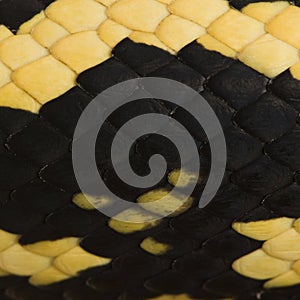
80	34
279	258
71	36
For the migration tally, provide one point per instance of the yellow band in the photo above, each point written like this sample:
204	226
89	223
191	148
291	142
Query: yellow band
74	35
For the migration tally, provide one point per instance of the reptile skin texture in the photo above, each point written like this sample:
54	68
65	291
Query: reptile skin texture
245	245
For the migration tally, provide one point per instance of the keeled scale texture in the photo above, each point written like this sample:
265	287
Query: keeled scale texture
258	166
259	125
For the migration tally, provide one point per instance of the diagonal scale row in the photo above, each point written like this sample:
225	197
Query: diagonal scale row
248	176
252	174
72	36
279	255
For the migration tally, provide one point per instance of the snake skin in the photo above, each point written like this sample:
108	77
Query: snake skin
260	118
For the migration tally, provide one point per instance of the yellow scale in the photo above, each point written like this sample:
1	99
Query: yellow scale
71	36
51	58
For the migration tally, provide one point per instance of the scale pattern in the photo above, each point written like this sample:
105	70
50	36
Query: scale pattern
190	255
46	47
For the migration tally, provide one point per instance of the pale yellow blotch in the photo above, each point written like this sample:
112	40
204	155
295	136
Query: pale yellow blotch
269	56
14	97
81	201
170	205
265	11
112	33
202	12
296	267
4	33
77	15
77	260
107	2
45	79
137	219
48	276
29	25
166	1
289	278
7	239
92	202
148	39
297	225
81	51
5	74
53	248
295	71
141	15
177	32
19	50
286	26
265	229
236	30
261	266
48	32
184	180
156	248
19	261
285	246
210	43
